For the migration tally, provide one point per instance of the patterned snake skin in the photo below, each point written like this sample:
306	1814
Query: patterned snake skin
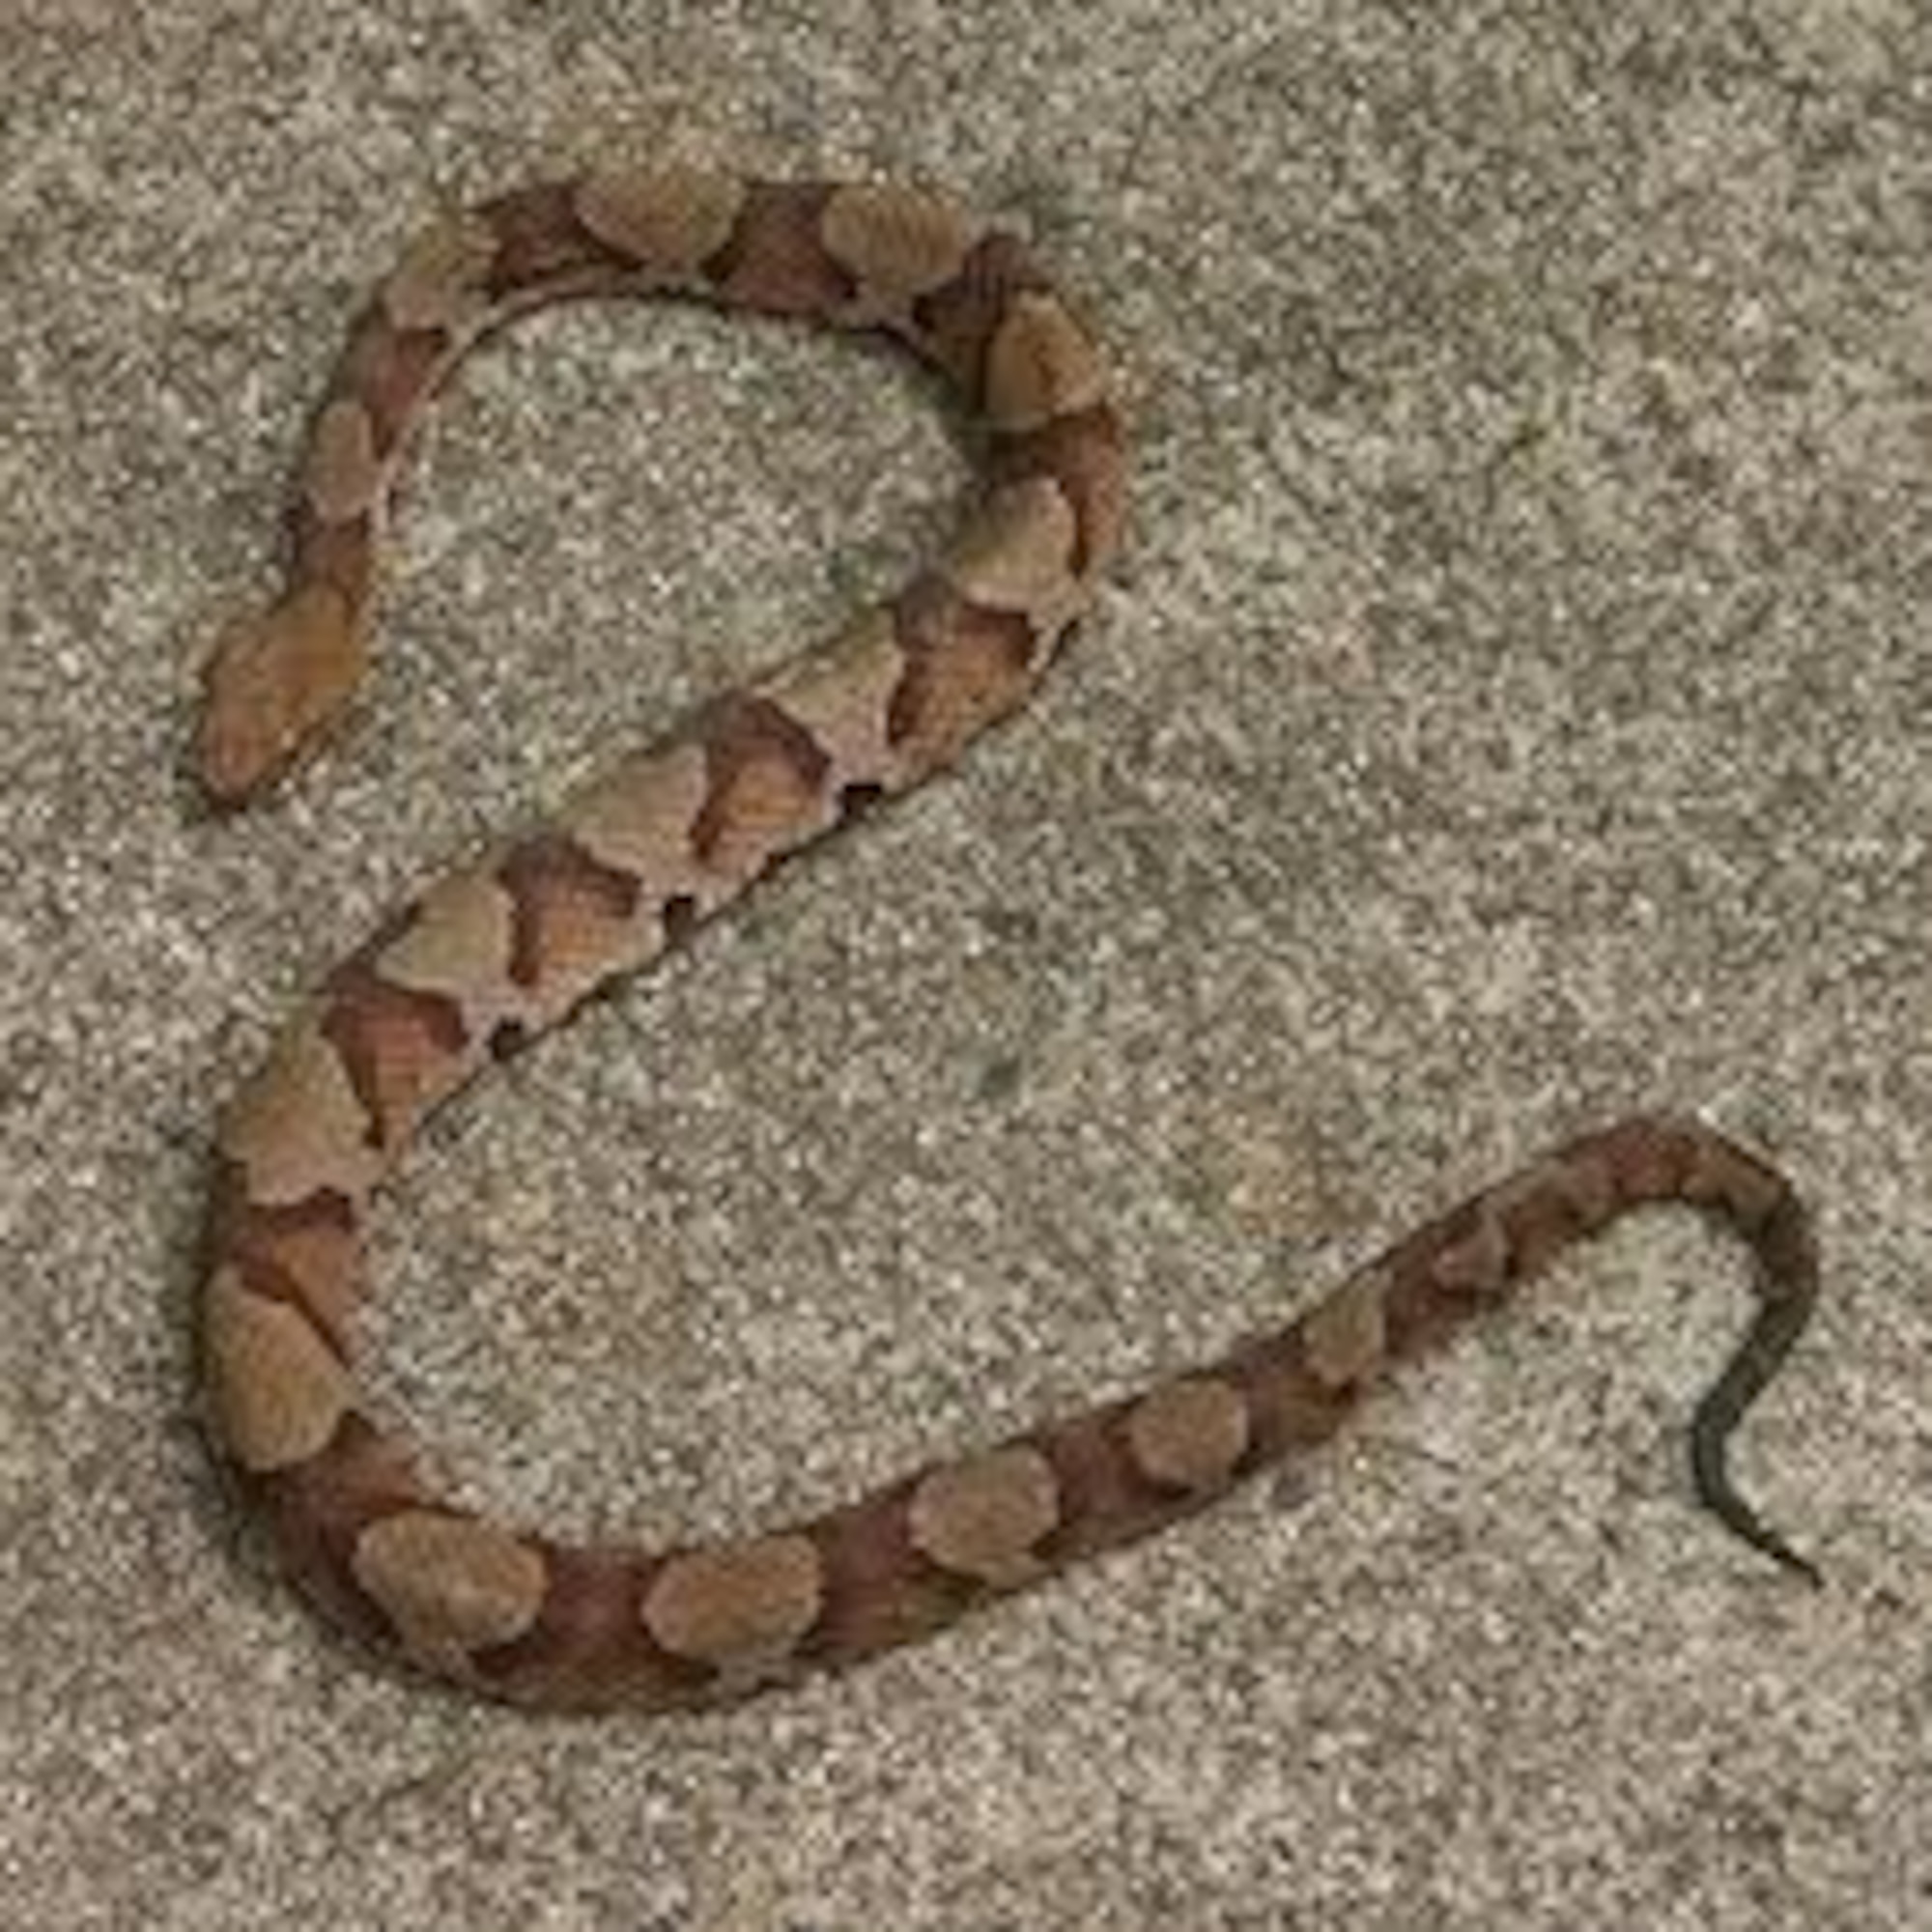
495	952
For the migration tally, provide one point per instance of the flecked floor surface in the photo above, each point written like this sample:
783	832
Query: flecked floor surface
1514	708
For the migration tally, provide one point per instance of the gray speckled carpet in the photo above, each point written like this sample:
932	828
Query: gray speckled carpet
1514	708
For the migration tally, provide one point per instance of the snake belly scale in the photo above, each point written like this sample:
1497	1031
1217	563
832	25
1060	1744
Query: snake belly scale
495	953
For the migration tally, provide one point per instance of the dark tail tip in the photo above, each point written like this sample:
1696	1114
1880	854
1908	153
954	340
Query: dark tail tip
1785	1307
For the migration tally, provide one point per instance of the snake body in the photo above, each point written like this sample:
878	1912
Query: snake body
494	953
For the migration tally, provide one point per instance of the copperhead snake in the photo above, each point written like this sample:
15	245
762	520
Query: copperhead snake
495	952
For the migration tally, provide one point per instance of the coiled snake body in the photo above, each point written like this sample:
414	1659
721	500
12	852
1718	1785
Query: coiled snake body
494	953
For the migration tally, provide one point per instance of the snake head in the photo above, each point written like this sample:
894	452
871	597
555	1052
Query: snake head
274	682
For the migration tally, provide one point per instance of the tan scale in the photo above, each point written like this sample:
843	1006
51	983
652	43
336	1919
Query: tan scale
344	475
1478	1264
1017	555
896	243
841	695
1718	1178
1041	364
299	1127
450	1584
277	1389
1586	1185
982	1517
742	1607
457	943
637	818
669	221
1345	1336
440	282
1190	1433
